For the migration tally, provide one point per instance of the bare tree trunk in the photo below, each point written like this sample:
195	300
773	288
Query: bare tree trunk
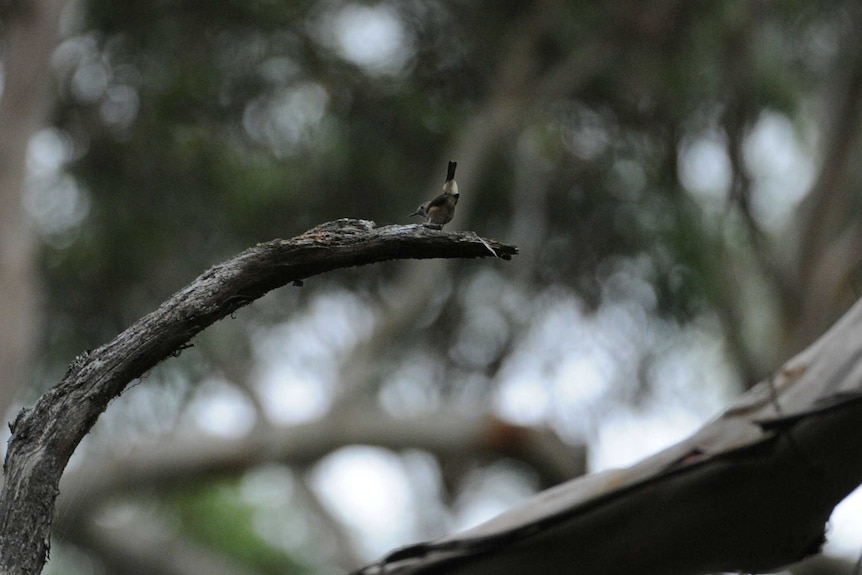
29	35
829	232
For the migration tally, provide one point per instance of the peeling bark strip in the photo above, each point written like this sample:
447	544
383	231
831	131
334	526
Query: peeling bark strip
45	435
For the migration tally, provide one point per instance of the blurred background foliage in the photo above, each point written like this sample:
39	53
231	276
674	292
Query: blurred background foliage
680	178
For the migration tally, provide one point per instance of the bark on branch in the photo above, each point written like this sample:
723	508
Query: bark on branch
44	436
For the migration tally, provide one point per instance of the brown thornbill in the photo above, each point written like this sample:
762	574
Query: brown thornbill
440	211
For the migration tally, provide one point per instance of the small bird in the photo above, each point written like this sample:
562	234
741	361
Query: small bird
440	211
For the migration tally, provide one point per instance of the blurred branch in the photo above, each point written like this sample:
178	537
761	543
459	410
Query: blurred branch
44	436
447	434
739	116
708	254
827	201
749	492
825	213
174	461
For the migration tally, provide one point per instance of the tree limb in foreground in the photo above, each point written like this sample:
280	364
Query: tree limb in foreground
44	436
749	492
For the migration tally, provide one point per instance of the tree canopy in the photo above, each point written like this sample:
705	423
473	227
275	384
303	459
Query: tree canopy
680	179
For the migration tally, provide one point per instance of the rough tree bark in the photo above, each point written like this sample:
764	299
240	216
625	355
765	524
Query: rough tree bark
44	436
749	492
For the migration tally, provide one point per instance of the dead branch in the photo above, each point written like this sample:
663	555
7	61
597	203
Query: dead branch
44	436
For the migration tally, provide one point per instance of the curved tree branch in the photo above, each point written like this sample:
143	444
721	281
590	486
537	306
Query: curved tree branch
44	437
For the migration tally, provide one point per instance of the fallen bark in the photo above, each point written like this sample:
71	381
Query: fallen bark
749	492
44	436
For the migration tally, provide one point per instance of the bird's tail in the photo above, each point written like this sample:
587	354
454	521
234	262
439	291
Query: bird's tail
450	174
